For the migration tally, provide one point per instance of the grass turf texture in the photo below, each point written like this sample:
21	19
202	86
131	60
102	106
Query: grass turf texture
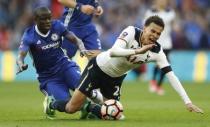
21	106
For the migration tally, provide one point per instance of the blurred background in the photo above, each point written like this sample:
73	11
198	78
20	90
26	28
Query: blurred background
190	34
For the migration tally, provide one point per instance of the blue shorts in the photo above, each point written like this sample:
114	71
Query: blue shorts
88	35
60	84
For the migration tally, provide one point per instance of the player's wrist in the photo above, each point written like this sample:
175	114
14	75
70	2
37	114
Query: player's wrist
19	63
78	6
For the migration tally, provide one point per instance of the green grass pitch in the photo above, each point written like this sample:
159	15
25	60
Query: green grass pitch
21	106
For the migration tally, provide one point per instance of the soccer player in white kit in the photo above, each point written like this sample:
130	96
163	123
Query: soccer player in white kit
108	70
168	15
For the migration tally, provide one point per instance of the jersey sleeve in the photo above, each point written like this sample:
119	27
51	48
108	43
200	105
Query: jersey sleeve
119	48
162	62
176	84
25	43
61	28
127	34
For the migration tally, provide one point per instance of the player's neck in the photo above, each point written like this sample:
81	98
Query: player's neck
42	33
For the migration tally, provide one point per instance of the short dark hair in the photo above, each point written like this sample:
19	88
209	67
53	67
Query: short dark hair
40	9
154	19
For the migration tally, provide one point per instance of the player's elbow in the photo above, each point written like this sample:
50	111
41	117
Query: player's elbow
112	54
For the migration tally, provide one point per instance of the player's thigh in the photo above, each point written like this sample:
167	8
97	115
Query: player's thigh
56	89
111	88
70	48
87	81
76	102
72	76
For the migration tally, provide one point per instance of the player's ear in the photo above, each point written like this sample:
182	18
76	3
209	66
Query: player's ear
35	19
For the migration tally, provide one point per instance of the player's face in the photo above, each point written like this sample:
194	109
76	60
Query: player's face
151	33
43	21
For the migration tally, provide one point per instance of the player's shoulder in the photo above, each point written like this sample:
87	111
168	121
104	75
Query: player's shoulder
157	48
133	30
29	33
130	28
56	23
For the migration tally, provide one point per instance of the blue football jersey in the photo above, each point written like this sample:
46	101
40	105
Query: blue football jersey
75	18
45	50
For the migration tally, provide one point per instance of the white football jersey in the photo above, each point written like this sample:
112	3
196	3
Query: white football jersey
168	16
129	39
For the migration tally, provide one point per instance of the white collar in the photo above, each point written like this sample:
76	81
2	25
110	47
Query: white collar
43	35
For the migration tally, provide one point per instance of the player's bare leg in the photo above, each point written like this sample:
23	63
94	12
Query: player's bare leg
76	102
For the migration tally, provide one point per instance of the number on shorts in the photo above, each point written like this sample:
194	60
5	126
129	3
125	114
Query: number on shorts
117	92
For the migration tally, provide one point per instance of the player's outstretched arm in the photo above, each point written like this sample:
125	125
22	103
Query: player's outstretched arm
193	108
87	53
20	61
118	51
174	81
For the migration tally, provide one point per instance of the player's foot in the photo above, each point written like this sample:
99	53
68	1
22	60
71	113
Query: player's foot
92	116
50	113
84	112
160	91
152	86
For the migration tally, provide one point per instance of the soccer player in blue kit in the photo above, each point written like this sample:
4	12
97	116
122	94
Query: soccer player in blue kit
56	73
77	17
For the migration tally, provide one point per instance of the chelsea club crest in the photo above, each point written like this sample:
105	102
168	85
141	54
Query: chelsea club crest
54	37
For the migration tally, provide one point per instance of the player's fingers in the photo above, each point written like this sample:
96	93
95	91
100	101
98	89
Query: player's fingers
91	10
146	48
198	110
193	108
98	11
25	66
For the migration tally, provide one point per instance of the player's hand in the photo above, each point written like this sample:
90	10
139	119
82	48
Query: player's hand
21	67
98	11
144	48
89	53
87	9
194	108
